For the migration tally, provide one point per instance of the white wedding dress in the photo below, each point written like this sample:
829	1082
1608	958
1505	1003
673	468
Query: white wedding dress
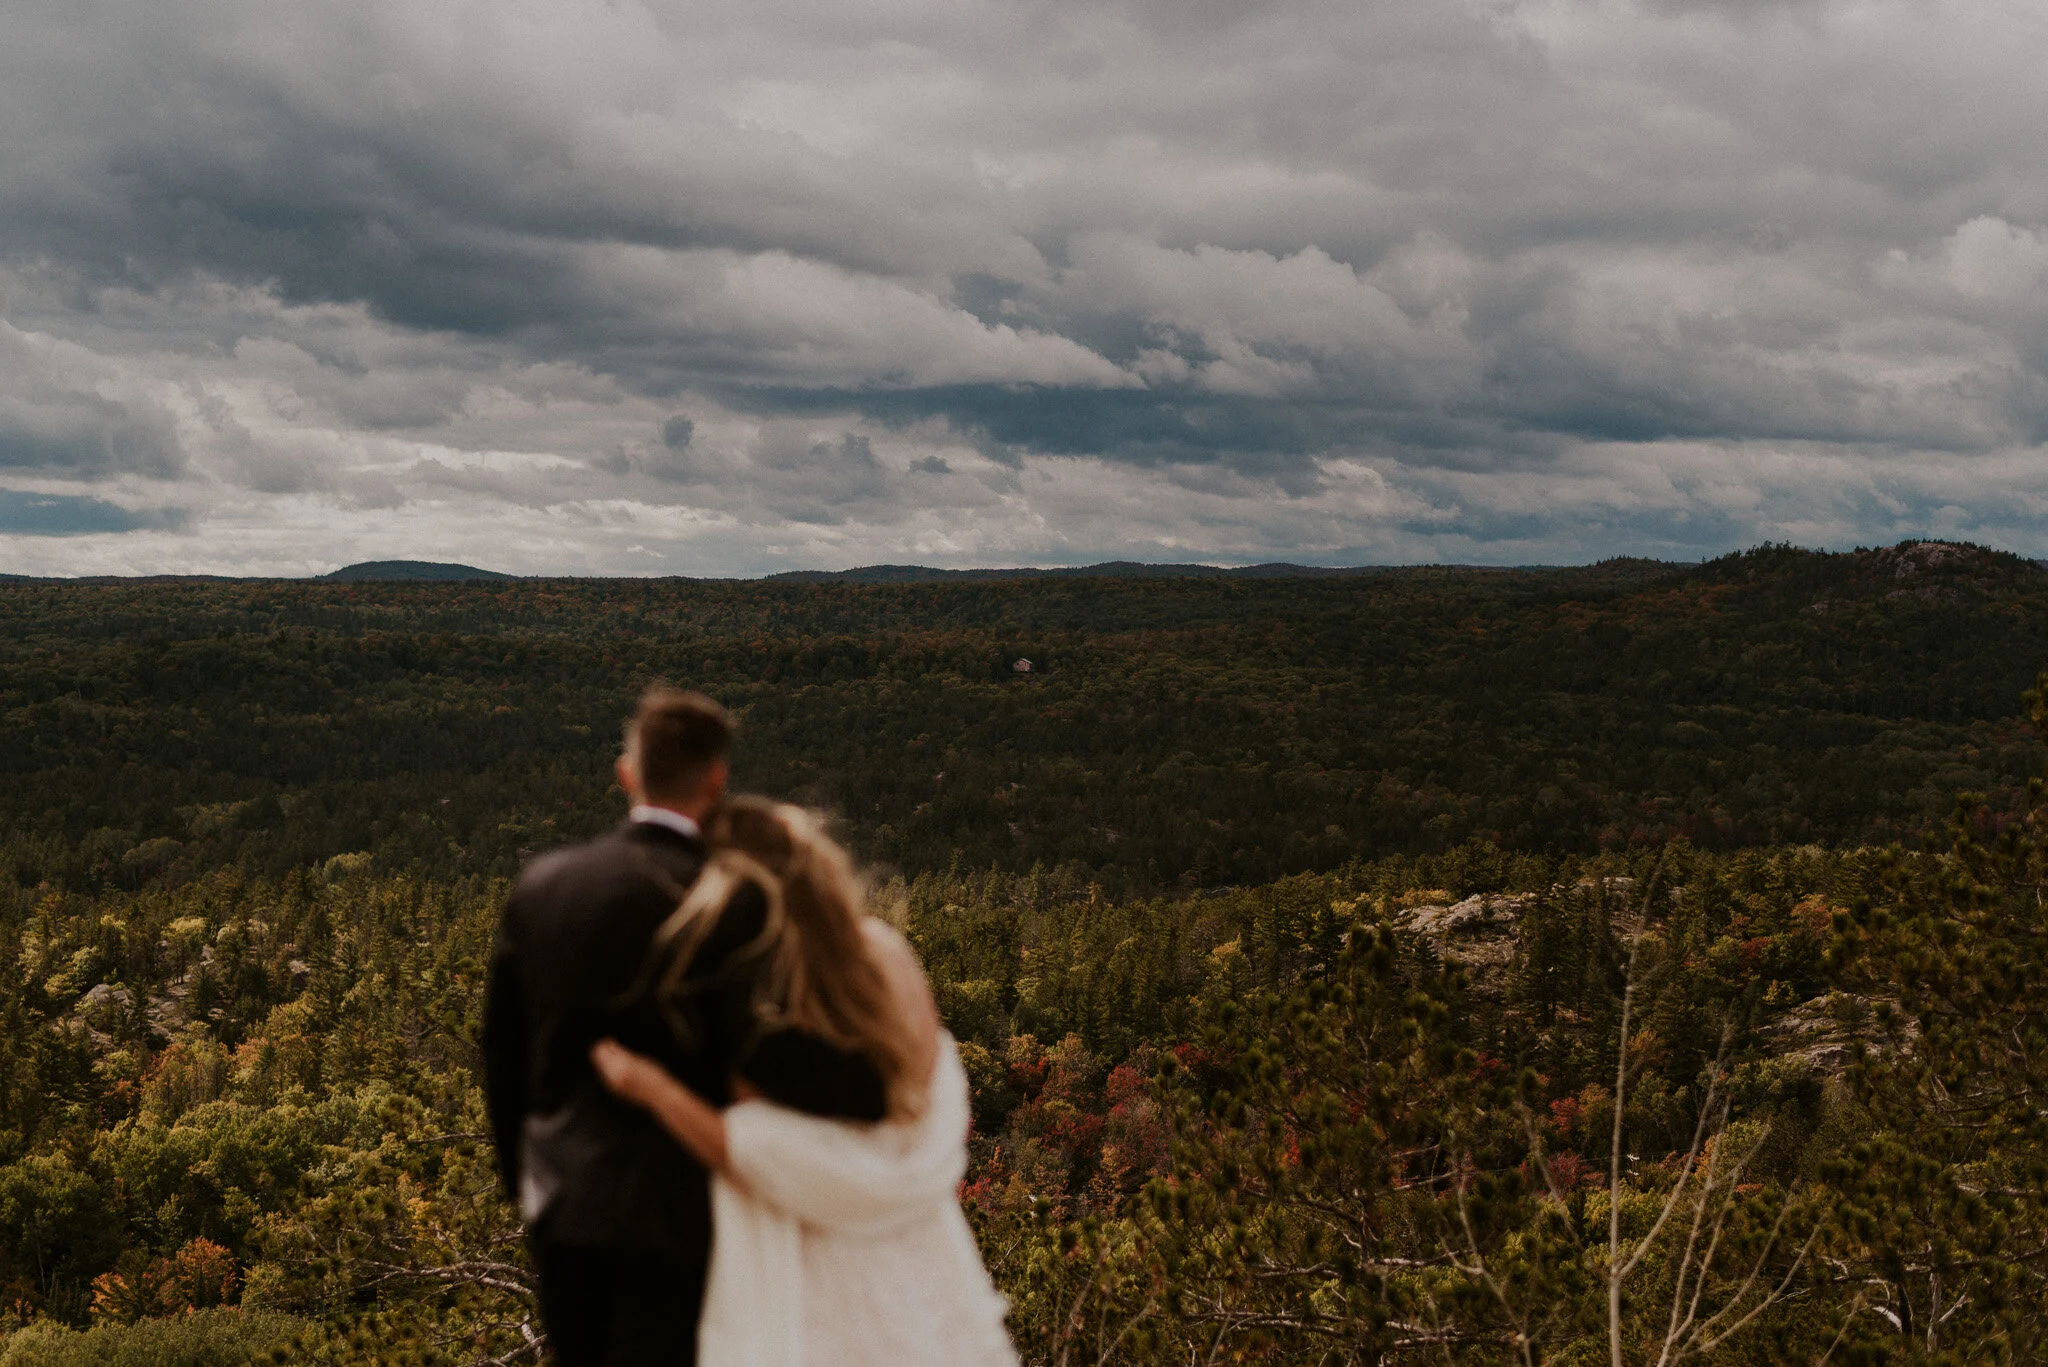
843	1245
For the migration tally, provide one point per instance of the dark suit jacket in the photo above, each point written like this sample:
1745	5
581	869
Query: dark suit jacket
588	1169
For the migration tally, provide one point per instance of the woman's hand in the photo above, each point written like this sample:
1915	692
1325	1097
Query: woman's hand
688	1118
625	1074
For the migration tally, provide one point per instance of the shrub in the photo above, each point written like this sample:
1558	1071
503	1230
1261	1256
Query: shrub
204	1338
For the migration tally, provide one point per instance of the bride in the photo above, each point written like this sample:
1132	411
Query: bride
832	1242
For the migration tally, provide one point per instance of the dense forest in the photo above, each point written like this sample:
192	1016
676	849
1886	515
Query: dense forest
1635	963
1171	732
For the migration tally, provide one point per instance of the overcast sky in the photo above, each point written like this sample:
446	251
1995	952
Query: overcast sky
726	287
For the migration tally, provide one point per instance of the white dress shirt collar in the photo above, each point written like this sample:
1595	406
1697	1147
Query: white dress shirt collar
662	816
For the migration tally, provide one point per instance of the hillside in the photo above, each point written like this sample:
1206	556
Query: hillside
426	571
1355	970
1196	731
1313	1109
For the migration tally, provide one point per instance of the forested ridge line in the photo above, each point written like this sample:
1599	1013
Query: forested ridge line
1171	731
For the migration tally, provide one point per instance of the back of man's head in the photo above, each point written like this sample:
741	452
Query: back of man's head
676	737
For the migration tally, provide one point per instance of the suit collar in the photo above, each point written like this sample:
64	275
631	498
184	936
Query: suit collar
654	834
645	814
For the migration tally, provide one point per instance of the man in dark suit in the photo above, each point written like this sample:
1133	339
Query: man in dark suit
618	1217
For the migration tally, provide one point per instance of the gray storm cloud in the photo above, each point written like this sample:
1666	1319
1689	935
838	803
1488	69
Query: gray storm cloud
63	414
708	288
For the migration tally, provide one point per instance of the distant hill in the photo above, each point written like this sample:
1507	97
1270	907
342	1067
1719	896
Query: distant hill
412	569
1113	569
1132	569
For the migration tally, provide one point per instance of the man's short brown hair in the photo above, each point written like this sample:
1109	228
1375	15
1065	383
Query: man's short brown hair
676	736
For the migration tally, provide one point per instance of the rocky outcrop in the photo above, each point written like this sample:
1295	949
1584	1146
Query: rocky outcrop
1482	935
1479	934
1826	1033
1482	932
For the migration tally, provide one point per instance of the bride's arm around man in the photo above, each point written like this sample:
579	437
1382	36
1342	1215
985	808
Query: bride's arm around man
833	1242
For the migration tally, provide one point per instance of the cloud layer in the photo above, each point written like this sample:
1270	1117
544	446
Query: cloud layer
570	286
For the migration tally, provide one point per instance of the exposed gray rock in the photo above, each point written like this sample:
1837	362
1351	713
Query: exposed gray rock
102	995
1479	934
1824	1033
102	1007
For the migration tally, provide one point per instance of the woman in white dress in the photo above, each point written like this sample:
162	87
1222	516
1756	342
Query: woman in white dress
832	1242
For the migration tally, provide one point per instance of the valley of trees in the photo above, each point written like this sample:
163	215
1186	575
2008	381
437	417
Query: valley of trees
1635	963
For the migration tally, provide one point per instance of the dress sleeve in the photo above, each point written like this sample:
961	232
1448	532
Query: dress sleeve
851	1177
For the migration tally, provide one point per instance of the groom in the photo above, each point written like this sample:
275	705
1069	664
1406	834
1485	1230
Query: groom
618	1217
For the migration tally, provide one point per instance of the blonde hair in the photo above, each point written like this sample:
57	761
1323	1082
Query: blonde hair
820	974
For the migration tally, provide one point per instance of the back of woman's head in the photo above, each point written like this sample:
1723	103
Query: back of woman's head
819	972
763	830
